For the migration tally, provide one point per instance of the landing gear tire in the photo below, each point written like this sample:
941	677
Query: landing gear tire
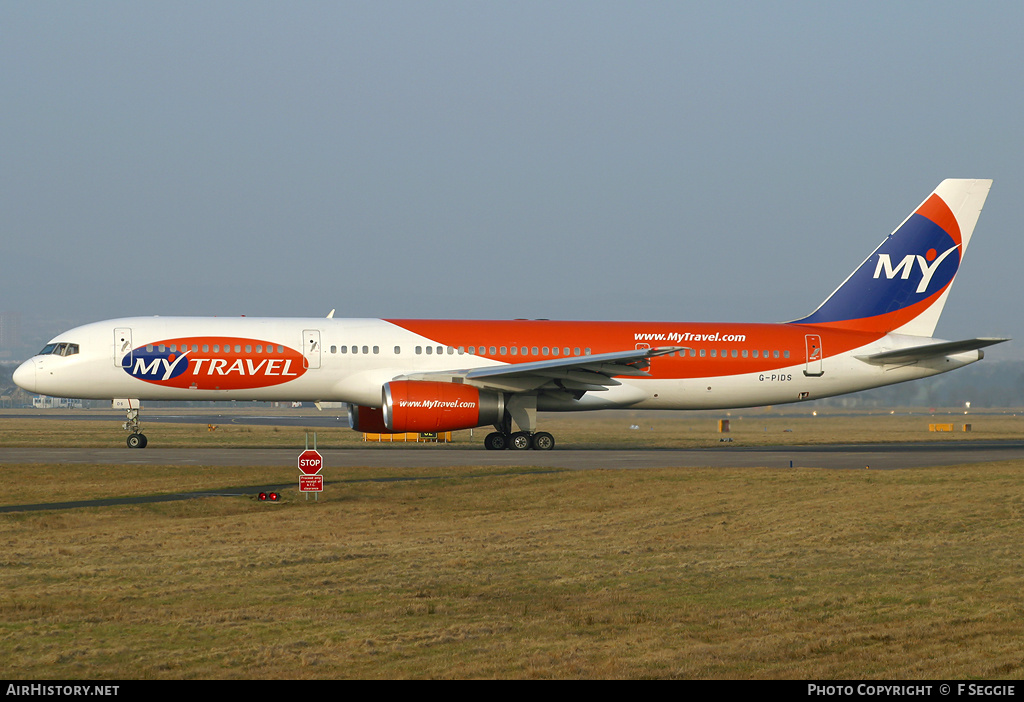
136	439
496	441
520	441
542	441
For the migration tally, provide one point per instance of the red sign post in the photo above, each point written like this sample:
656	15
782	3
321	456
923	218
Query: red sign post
310	465
310	462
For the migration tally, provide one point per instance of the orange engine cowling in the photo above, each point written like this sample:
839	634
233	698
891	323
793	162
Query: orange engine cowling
426	406
366	419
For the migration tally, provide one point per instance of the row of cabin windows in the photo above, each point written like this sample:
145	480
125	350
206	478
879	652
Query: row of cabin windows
69	349
734	353
365	349
66	349
484	350
556	351
174	348
508	350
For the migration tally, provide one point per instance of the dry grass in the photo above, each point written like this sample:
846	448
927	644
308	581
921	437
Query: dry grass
690	573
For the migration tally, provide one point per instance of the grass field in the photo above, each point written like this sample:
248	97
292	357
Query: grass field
684	573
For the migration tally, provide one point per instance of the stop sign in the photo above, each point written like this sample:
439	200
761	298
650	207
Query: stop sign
310	462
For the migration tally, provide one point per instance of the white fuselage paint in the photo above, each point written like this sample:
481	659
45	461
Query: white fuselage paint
95	373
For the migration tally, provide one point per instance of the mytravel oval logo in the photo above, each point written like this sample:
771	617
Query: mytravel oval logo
214	363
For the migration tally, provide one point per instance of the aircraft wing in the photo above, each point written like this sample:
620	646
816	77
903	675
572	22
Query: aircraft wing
574	374
927	351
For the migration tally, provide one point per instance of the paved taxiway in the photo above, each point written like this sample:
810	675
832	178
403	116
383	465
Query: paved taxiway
839	456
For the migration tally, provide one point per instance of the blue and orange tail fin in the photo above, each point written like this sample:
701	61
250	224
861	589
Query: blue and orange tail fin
903	285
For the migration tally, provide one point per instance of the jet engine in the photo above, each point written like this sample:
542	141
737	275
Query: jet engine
428	406
366	419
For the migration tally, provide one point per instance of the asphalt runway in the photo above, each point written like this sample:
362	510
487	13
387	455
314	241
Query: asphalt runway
838	456
727	455
322	419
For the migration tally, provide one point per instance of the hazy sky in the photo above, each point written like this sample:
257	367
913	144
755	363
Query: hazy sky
577	160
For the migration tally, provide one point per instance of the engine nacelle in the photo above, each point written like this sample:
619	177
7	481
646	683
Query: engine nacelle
366	419
427	406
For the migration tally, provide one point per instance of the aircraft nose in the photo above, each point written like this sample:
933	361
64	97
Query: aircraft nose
25	376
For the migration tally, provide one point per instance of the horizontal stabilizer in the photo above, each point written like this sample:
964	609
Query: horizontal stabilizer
922	353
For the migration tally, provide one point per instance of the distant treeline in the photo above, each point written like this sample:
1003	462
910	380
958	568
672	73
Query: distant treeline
985	384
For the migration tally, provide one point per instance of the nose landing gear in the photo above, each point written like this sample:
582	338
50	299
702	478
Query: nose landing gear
136	439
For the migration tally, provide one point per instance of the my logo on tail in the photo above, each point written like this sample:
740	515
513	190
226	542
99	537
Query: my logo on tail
902	285
927	269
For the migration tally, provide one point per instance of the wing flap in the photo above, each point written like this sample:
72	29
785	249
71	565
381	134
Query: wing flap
573	373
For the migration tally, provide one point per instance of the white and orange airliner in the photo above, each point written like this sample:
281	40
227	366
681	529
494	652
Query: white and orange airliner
402	375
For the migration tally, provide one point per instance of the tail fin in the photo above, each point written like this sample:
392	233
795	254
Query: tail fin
902	286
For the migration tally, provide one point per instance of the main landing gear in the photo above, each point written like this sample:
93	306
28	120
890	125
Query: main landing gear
522	409
519	441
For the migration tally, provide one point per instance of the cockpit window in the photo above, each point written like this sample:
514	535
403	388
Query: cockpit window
61	349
